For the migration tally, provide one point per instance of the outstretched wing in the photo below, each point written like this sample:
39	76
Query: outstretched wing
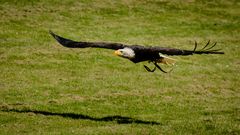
172	51
74	44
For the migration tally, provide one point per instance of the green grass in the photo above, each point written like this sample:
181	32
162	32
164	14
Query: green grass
48	89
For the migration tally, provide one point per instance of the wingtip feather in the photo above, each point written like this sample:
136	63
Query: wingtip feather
54	35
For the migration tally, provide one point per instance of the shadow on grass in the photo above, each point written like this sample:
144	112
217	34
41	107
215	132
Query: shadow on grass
117	118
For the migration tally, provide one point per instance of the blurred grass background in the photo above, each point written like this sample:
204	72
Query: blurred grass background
201	95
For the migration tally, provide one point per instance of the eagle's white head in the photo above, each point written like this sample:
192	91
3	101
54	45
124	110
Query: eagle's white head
125	53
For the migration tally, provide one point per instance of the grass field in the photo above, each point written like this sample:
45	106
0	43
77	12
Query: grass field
48	89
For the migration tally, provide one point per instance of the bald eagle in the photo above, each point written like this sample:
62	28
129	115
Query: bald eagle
138	53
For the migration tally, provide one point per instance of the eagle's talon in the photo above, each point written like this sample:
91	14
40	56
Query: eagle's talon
161	68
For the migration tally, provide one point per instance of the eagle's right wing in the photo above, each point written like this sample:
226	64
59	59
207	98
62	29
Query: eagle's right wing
173	51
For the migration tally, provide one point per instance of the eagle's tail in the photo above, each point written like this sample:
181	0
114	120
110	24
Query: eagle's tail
166	60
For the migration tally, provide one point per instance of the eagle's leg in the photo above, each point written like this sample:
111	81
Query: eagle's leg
156	65
148	69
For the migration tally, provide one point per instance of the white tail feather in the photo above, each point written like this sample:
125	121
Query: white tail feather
166	60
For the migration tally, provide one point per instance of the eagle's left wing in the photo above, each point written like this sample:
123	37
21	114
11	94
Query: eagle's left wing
74	44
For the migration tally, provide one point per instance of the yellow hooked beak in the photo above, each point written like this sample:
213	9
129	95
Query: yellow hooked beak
118	53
